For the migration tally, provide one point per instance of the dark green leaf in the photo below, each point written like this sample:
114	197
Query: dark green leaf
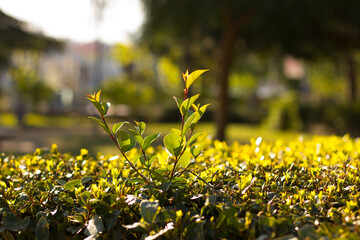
105	106
112	219
148	210
42	230
14	223
308	232
86	179
94	226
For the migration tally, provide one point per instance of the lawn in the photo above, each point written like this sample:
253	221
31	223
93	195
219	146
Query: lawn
71	133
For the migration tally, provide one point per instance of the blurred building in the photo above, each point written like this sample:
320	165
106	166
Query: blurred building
71	73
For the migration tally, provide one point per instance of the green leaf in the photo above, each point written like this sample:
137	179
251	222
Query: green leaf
94	226
70	186
185	159
179	180
98	106
139	139
188	114
155	174
102	124
105	106
14	223
117	126
42	230
178	102
193	138
193	76
308	232
142	127
196	150
148	210
174	143
125	140
189	121
111	221
186	105
201	113
96	200
202	109
86	179
149	160
150	139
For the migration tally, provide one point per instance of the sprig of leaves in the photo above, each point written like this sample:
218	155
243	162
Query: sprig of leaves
178	144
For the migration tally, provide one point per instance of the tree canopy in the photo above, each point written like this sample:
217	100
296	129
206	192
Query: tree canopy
222	29
16	35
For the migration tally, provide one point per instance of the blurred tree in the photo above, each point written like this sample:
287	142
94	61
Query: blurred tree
311	30
219	29
30	89
15	35
213	25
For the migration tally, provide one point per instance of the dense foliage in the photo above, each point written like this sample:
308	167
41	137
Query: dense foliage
261	190
189	188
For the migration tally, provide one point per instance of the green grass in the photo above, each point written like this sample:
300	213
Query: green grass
71	133
235	131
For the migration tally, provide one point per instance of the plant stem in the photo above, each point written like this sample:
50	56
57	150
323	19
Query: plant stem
152	179
118	146
182	152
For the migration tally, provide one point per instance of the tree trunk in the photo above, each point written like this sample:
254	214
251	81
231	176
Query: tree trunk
225	62
352	78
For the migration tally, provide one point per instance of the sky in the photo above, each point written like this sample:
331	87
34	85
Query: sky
75	19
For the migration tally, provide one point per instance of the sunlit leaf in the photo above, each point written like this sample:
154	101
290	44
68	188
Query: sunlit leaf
174	143
117	126
150	139
185	105
139	139
193	76
189	121
126	141
185	159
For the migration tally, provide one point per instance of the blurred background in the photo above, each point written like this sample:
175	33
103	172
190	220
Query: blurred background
277	68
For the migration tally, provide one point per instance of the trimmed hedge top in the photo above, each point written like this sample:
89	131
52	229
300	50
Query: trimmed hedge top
303	189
